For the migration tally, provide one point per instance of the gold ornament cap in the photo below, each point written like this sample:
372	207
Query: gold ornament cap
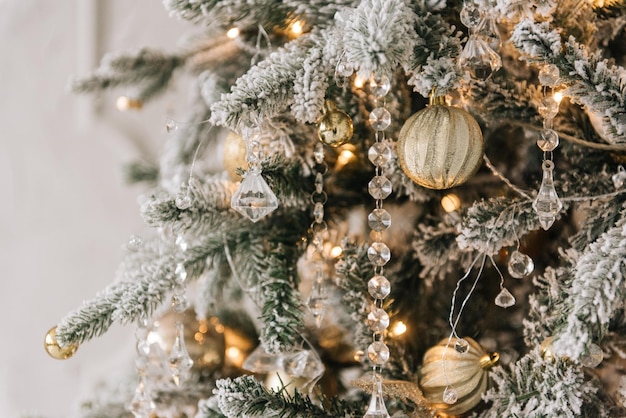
124	103
335	127
52	347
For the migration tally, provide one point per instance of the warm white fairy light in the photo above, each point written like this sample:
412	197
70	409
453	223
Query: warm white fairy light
450	202
359	82
233	32
558	96
344	158
296	28
399	328
336	251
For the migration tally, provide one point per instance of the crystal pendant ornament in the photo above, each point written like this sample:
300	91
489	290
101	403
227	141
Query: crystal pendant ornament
548	140
379	287
520	265
488	31
548	107
379	154
479	58
380	118
142	405
378	352
593	357
260	361
180	363
377	408
379	187
317	303
461	346
549	75
470	15
619	178
547	204
380	86
254	199
450	395
304	364
179	303
379	254
505	299
379	220
378	320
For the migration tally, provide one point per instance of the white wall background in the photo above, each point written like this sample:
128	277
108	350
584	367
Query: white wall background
64	210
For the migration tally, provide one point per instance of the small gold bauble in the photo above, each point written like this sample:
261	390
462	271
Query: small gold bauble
124	103
54	349
466	372
334	127
440	146
234	154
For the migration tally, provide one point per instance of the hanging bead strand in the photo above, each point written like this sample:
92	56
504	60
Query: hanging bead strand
378	253
317	298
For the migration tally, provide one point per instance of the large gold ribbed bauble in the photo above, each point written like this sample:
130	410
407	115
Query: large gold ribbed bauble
467	373
440	147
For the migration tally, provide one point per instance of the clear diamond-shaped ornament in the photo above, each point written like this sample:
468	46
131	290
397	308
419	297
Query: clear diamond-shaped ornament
505	299
142	405
547	204
304	364
376	407
254	199
179	361
260	361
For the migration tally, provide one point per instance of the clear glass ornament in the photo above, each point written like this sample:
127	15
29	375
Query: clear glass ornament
171	126
155	365
593	357
520	265
380	118
380	85
183	200
450	395
505	299
470	15
461	346
380	153
479	58
179	303
376	407
548	107
179	361
303	364
619	178
379	287
142	405
379	254
254	199
260	361
134	242
379	220
378	320
379	187
378	352
181	272
547	204
549	75
548	140
488	31
317	303
181	243
318	212
318	154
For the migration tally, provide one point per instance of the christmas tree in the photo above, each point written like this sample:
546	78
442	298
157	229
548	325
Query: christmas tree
376	208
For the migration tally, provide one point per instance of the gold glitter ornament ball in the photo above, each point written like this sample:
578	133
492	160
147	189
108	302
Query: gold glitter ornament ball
466	372
53	348
335	126
440	146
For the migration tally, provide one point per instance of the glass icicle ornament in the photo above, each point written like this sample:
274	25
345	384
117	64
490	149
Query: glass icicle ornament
479	58
505	299
547	204
520	265
179	361
377	408
254	199
142	405
317	302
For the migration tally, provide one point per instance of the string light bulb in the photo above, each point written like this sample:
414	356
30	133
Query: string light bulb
359	82
336	251
233	32
399	328
450	202
558	96
344	157
296	28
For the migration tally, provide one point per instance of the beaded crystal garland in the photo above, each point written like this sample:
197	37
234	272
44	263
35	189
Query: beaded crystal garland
378	253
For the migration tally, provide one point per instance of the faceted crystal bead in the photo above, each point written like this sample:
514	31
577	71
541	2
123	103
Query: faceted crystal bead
134	242
179	303
153	360
593	357
317	304
548	123
181	272
548	140
183	201
181	243
319	183
380	119
378	352
179	361
141	406
488	30
379	220
379	187
548	107
619	178
479	58
461	346
547	203
259	361
318	154
470	15
549	75
303	363
505	299
378	320
318	212
254	199
520	265
379	254
380	154
376	407
379	287
450	395
171	126
380	85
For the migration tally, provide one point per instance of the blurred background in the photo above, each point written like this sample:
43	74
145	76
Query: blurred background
65	212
